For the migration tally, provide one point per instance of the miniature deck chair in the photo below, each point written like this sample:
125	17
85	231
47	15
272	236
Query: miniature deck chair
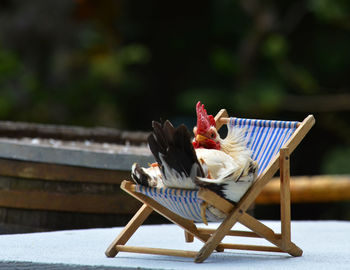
271	143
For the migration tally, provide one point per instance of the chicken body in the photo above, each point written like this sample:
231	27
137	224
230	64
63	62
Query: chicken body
229	171
216	165
180	165
236	170
224	166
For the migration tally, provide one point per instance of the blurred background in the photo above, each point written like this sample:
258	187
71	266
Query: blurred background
122	64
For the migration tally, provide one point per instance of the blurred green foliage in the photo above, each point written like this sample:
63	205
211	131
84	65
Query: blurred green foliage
337	161
331	11
124	63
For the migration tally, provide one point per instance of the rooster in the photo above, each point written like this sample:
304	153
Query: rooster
224	166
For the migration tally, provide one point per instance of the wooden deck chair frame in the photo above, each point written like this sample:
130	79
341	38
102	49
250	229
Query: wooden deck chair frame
212	237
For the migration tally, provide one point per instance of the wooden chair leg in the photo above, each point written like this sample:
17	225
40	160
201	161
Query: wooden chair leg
214	241
186	224
129	230
285	197
189	238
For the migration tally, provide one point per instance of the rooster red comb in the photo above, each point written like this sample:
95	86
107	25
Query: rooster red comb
204	121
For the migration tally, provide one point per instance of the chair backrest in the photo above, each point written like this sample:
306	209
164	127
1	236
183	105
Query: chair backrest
264	137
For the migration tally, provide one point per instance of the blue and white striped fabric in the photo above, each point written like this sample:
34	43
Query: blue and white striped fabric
184	202
264	137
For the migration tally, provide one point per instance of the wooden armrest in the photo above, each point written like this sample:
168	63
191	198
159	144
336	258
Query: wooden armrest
215	200
127	185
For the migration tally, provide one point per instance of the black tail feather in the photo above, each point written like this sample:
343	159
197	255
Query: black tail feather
173	146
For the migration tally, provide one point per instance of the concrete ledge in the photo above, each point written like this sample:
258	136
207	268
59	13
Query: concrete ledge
112	157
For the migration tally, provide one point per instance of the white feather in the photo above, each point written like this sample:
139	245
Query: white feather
218	163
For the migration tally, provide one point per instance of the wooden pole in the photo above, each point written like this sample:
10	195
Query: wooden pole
188	237
251	247
157	251
222	114
308	189
285	197
233	233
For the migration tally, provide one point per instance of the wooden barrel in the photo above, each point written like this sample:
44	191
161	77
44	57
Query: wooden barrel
51	184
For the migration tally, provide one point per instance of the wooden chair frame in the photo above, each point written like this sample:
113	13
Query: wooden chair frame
235	213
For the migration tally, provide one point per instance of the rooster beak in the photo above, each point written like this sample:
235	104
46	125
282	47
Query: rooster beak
200	138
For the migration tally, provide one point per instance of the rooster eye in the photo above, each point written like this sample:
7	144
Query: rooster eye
212	135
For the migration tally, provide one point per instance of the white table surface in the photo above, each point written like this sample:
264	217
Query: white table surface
326	245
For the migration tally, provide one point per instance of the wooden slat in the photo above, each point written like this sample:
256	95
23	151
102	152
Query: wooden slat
285	197
157	251
84	203
299	134
129	230
259	228
55	172
215	200
250	247
231	233
222	114
189	238
218	235
309	189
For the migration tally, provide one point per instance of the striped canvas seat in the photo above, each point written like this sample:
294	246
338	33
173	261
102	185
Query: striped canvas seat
184	202
263	137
